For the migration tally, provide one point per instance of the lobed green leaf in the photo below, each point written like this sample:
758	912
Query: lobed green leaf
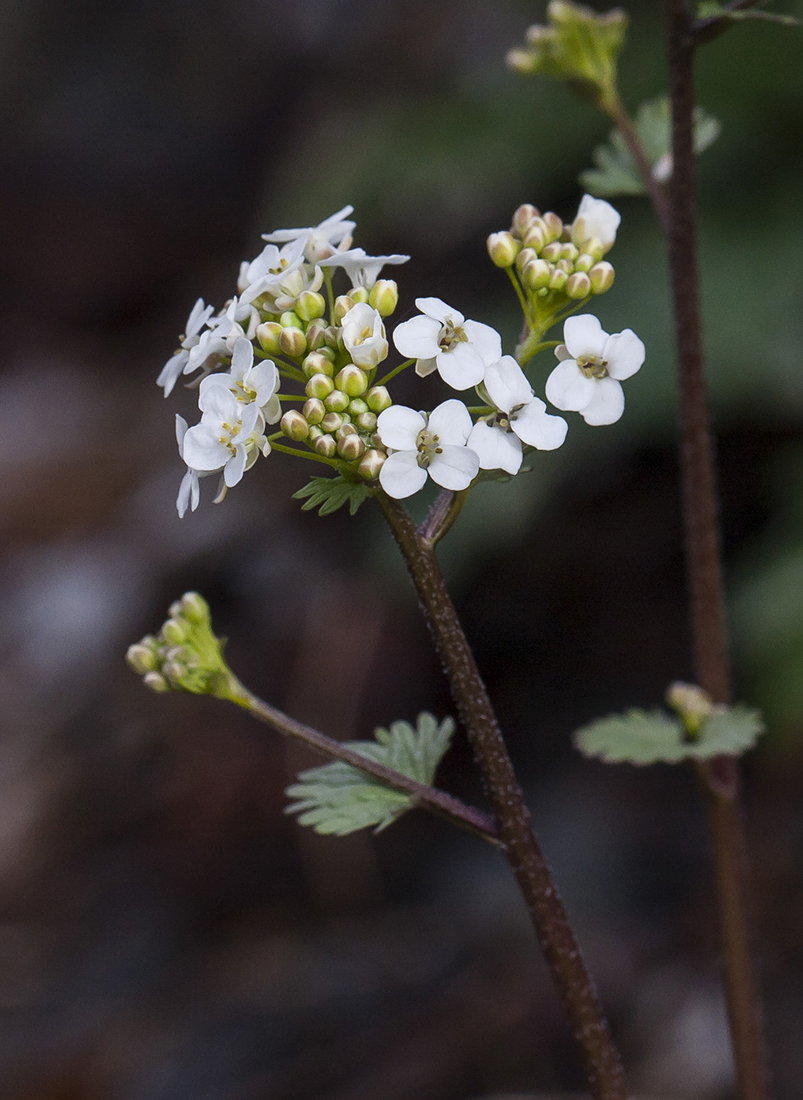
327	494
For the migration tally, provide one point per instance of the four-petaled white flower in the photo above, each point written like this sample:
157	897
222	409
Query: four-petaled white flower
442	339
319	241
275	271
587	380
363	270
522	418
175	365
596	218
364	336
421	445
228	437
249	383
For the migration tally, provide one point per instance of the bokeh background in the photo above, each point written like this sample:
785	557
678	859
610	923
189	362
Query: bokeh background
166	932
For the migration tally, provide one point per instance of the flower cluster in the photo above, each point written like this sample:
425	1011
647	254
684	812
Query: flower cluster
287	325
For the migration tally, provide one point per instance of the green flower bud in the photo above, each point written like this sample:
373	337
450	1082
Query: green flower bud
372	462
317	363
523	218
357	405
156	682
569	251
554	226
294	425
503	249
551	252
331	338
314	433
579	285
343	303
365	421
521	61
310	305
293	342
584	262
692	705
601	276
565	265
337	401
268	335
320	386
175	632
526	256
325	445
289	319
346	428
195	608
536	274
314	410
384	297
535	239
558	279
141	658
332	422
358	294
378	399
594	247
315	334
350	447
353	380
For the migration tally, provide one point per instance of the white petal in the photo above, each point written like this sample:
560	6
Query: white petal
535	426
596	218
216	400
486	340
461	368
202	449
495	448
568	388
451	422
423	367
624	353
434	307
184	492
417	338
181	431
398	427
401	476
607	405
242	358
583	335
171	371
507	384
455	468
235	467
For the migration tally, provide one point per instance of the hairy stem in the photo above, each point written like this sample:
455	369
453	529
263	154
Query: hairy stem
555	936
701	515
429	798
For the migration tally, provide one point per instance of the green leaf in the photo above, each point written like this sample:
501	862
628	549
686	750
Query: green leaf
339	799
616	172
711	9
327	494
638	737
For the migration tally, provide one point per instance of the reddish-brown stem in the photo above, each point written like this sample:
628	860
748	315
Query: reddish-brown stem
655	190
561	952
701	515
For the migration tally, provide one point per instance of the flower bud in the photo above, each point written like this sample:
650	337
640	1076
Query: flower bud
195	608
523	218
293	342
343	303
294	425
289	319
332	422
565	265
174	632
601	276
336	402
535	238
536	274
317	363
594	247
569	251
315	333
554	226
579	285
352	379
372	462
141	658
365	421
315	432
521	61
314	410
156	682
331	337
325	445
558	279
378	399
346	428
350	447
356	406
503	249
384	297
526	256
268	334
358	294
310	305
320	386
584	262
551	252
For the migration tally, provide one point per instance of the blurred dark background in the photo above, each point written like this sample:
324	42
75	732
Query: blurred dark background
166	933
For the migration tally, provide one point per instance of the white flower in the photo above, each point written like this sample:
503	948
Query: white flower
522	419
364	336
421	445
228	437
363	270
249	383
442	339
591	368
275	271
173	367
319	240
595	218
189	492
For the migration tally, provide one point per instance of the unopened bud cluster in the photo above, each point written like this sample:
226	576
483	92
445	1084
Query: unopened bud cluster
185	655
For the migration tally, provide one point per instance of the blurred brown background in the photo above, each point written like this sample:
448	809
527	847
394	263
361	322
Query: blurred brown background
166	933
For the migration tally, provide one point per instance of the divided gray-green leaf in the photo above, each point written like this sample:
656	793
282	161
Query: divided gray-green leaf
616	172
327	494
640	737
338	799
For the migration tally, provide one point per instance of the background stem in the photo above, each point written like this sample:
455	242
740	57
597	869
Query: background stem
555	936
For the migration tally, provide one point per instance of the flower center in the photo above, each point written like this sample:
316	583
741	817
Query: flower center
592	366
450	336
428	448
361	337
